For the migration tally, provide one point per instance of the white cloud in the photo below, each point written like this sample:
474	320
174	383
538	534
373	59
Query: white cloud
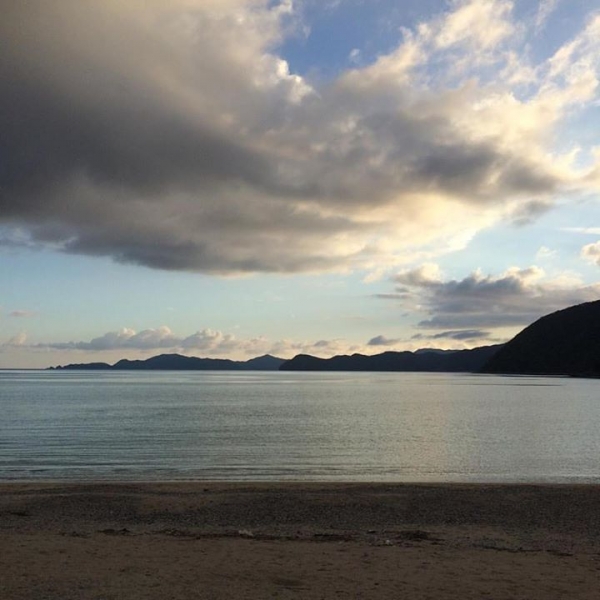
17	341
584	230
545	10
207	342
148	339
591	253
479	24
544	252
355	56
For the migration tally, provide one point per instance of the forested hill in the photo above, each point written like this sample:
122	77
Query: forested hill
177	362
566	342
453	361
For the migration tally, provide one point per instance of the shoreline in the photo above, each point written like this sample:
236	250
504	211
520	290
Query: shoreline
310	540
282	483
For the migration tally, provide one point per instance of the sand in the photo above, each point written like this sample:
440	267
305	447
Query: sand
303	541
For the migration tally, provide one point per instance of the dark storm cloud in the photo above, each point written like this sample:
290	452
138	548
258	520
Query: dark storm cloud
476	302
170	134
381	340
462	335
139	149
100	153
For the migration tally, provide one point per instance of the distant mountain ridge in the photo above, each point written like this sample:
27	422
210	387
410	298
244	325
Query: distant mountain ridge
566	342
458	361
177	362
430	360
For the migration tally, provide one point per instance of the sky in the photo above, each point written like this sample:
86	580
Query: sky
229	178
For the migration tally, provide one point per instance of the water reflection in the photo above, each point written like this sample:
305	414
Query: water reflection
304	426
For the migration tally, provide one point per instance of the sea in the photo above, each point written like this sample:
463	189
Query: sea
297	426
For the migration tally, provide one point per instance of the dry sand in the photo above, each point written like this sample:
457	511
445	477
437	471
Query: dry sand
303	541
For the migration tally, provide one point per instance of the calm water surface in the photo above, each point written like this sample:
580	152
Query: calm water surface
298	426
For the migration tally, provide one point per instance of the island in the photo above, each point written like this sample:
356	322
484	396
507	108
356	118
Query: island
178	362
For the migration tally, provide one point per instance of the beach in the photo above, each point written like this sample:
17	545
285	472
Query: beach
111	541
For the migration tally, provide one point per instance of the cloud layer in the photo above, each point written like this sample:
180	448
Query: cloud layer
207	342
172	135
467	309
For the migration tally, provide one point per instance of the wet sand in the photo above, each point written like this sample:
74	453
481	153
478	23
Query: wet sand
308	541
